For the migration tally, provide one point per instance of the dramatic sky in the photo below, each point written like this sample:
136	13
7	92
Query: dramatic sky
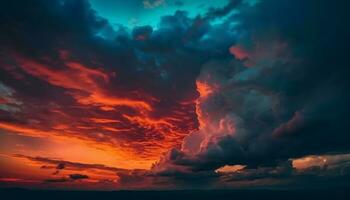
174	94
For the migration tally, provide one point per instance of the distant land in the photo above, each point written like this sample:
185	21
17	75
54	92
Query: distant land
341	193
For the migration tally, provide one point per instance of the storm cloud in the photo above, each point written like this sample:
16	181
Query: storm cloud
258	84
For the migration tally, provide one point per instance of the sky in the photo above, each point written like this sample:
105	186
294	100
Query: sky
173	94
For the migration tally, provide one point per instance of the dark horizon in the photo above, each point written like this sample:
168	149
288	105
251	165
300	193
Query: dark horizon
339	193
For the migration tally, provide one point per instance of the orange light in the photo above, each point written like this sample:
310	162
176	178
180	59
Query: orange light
204	89
229	168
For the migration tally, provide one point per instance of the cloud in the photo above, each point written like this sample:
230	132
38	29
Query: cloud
84	79
179	3
150	4
142	33
220	12
291	126
332	172
58	167
78	176
265	114
62	164
71	177
255	84
57	180
67	67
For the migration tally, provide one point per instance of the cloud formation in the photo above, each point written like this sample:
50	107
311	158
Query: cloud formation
256	86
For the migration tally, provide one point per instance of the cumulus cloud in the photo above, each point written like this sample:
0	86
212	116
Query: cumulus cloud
263	115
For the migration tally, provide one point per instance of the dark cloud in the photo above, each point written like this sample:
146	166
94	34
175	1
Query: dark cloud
279	99
179	3
282	170
68	164
71	177
60	166
221	12
142	33
77	176
333	172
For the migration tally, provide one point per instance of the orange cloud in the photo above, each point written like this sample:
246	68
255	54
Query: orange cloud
99	120
309	161
239	52
92	117
229	168
75	76
204	89
23	130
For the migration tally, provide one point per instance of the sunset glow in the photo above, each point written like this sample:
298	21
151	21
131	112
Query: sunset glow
173	95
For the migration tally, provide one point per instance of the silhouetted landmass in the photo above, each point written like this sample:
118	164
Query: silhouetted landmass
318	194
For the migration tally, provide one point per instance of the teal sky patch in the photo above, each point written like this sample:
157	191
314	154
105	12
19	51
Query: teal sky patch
148	12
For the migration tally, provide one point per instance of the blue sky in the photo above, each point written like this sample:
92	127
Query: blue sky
140	13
